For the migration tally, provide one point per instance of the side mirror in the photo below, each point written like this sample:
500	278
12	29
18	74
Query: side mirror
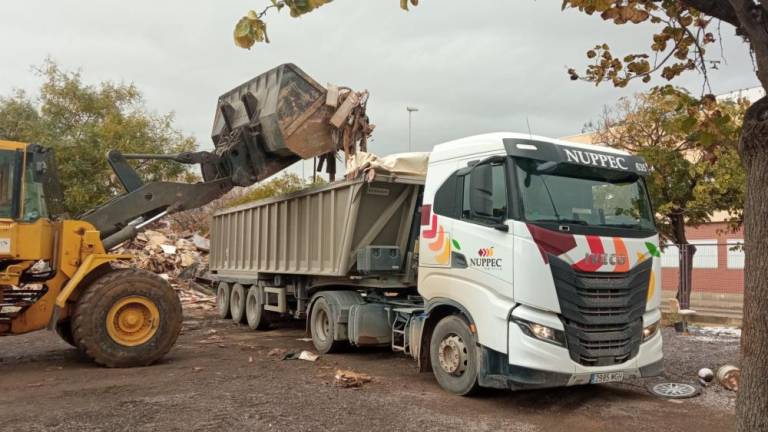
481	191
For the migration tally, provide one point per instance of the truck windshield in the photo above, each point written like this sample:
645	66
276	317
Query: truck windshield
570	194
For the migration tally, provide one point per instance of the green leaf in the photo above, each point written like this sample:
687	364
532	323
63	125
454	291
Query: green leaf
653	249
456	244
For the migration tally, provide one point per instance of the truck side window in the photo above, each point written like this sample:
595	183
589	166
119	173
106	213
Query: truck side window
485	194
448	197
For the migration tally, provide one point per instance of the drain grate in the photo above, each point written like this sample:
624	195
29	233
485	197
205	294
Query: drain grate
671	390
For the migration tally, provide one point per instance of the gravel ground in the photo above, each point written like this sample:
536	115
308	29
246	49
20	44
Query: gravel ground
221	377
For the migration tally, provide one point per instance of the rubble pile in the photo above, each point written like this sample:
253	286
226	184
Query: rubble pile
181	258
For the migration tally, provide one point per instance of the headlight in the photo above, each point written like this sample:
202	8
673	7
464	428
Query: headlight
544	333
650	331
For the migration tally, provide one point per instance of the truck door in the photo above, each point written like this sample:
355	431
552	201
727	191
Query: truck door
483	243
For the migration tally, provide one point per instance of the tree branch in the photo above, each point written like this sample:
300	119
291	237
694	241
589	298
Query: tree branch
719	9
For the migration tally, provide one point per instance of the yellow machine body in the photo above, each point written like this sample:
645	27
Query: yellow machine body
67	251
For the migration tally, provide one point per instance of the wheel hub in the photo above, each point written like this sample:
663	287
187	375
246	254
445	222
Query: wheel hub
132	321
452	355
322	325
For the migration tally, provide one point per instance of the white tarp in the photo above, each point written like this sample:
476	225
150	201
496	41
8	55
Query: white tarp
411	164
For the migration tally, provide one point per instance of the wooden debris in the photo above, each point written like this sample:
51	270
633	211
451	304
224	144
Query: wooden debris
179	258
348	378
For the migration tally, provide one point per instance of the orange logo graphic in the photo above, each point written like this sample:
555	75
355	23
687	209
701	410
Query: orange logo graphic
439	245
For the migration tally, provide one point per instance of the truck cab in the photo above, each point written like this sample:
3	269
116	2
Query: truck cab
547	252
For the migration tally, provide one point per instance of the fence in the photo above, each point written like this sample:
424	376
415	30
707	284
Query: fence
716	283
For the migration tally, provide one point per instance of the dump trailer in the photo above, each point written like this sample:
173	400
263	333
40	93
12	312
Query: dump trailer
516	262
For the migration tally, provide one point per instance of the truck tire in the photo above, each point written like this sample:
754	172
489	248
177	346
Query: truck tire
127	318
223	292
322	327
257	317
237	303
453	355
64	330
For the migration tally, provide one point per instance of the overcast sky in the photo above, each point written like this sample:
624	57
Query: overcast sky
470	67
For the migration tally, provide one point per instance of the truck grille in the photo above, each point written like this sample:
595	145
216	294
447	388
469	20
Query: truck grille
602	312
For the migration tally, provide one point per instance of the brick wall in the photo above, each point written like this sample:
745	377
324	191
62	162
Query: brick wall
710	280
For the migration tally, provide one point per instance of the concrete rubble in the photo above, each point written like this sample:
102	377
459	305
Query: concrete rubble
181	258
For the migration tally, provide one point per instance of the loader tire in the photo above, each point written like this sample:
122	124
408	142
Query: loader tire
127	318
237	303
64	330
223	291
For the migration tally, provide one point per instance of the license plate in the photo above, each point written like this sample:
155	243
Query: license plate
601	378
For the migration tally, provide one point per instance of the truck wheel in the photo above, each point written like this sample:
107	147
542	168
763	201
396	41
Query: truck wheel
64	330
237	303
126	318
453	355
258	318
322	327
222	299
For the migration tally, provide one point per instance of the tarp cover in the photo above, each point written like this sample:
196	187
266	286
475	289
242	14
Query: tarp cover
410	164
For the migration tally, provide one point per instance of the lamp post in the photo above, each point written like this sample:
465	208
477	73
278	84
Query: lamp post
411	110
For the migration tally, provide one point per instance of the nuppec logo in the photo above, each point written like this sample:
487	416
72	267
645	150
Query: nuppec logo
486	259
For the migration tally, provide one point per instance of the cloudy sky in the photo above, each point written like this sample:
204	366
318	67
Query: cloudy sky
470	67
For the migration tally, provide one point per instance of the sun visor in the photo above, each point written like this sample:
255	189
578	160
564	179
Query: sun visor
547	151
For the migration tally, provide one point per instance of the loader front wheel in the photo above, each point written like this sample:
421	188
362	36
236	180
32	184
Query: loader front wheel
126	318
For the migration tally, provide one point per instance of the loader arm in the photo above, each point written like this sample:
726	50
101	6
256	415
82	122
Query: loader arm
260	128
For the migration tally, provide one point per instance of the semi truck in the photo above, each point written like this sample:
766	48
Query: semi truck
516	262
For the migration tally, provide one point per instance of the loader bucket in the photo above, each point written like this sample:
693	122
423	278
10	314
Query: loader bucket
286	106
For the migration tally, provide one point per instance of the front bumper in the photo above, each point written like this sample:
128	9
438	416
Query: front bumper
532	363
496	372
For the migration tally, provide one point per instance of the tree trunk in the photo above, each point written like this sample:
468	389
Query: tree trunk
685	267
752	402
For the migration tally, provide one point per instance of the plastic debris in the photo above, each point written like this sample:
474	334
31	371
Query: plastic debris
729	376
706	376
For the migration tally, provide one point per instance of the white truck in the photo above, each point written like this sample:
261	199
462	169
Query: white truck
517	262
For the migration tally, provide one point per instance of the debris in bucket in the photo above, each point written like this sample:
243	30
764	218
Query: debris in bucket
706	376
729	376
348	378
181	258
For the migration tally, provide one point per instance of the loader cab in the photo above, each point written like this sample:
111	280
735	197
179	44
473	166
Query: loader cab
29	188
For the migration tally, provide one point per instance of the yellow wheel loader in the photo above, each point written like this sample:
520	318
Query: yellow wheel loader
57	272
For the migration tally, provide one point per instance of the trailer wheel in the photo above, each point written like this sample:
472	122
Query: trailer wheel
453	355
258	318
237	303
222	299
64	330
126	318
322	327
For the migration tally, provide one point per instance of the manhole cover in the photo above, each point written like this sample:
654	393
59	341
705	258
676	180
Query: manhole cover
674	390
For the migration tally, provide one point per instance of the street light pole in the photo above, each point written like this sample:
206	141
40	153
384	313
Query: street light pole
411	110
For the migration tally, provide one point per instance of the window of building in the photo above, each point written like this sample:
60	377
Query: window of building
706	253
670	256
735	253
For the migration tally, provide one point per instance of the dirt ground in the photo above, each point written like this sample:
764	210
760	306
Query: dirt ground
221	377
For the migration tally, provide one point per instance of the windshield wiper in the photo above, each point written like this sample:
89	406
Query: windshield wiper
563	220
631	226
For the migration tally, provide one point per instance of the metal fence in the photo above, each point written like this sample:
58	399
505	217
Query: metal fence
715	283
